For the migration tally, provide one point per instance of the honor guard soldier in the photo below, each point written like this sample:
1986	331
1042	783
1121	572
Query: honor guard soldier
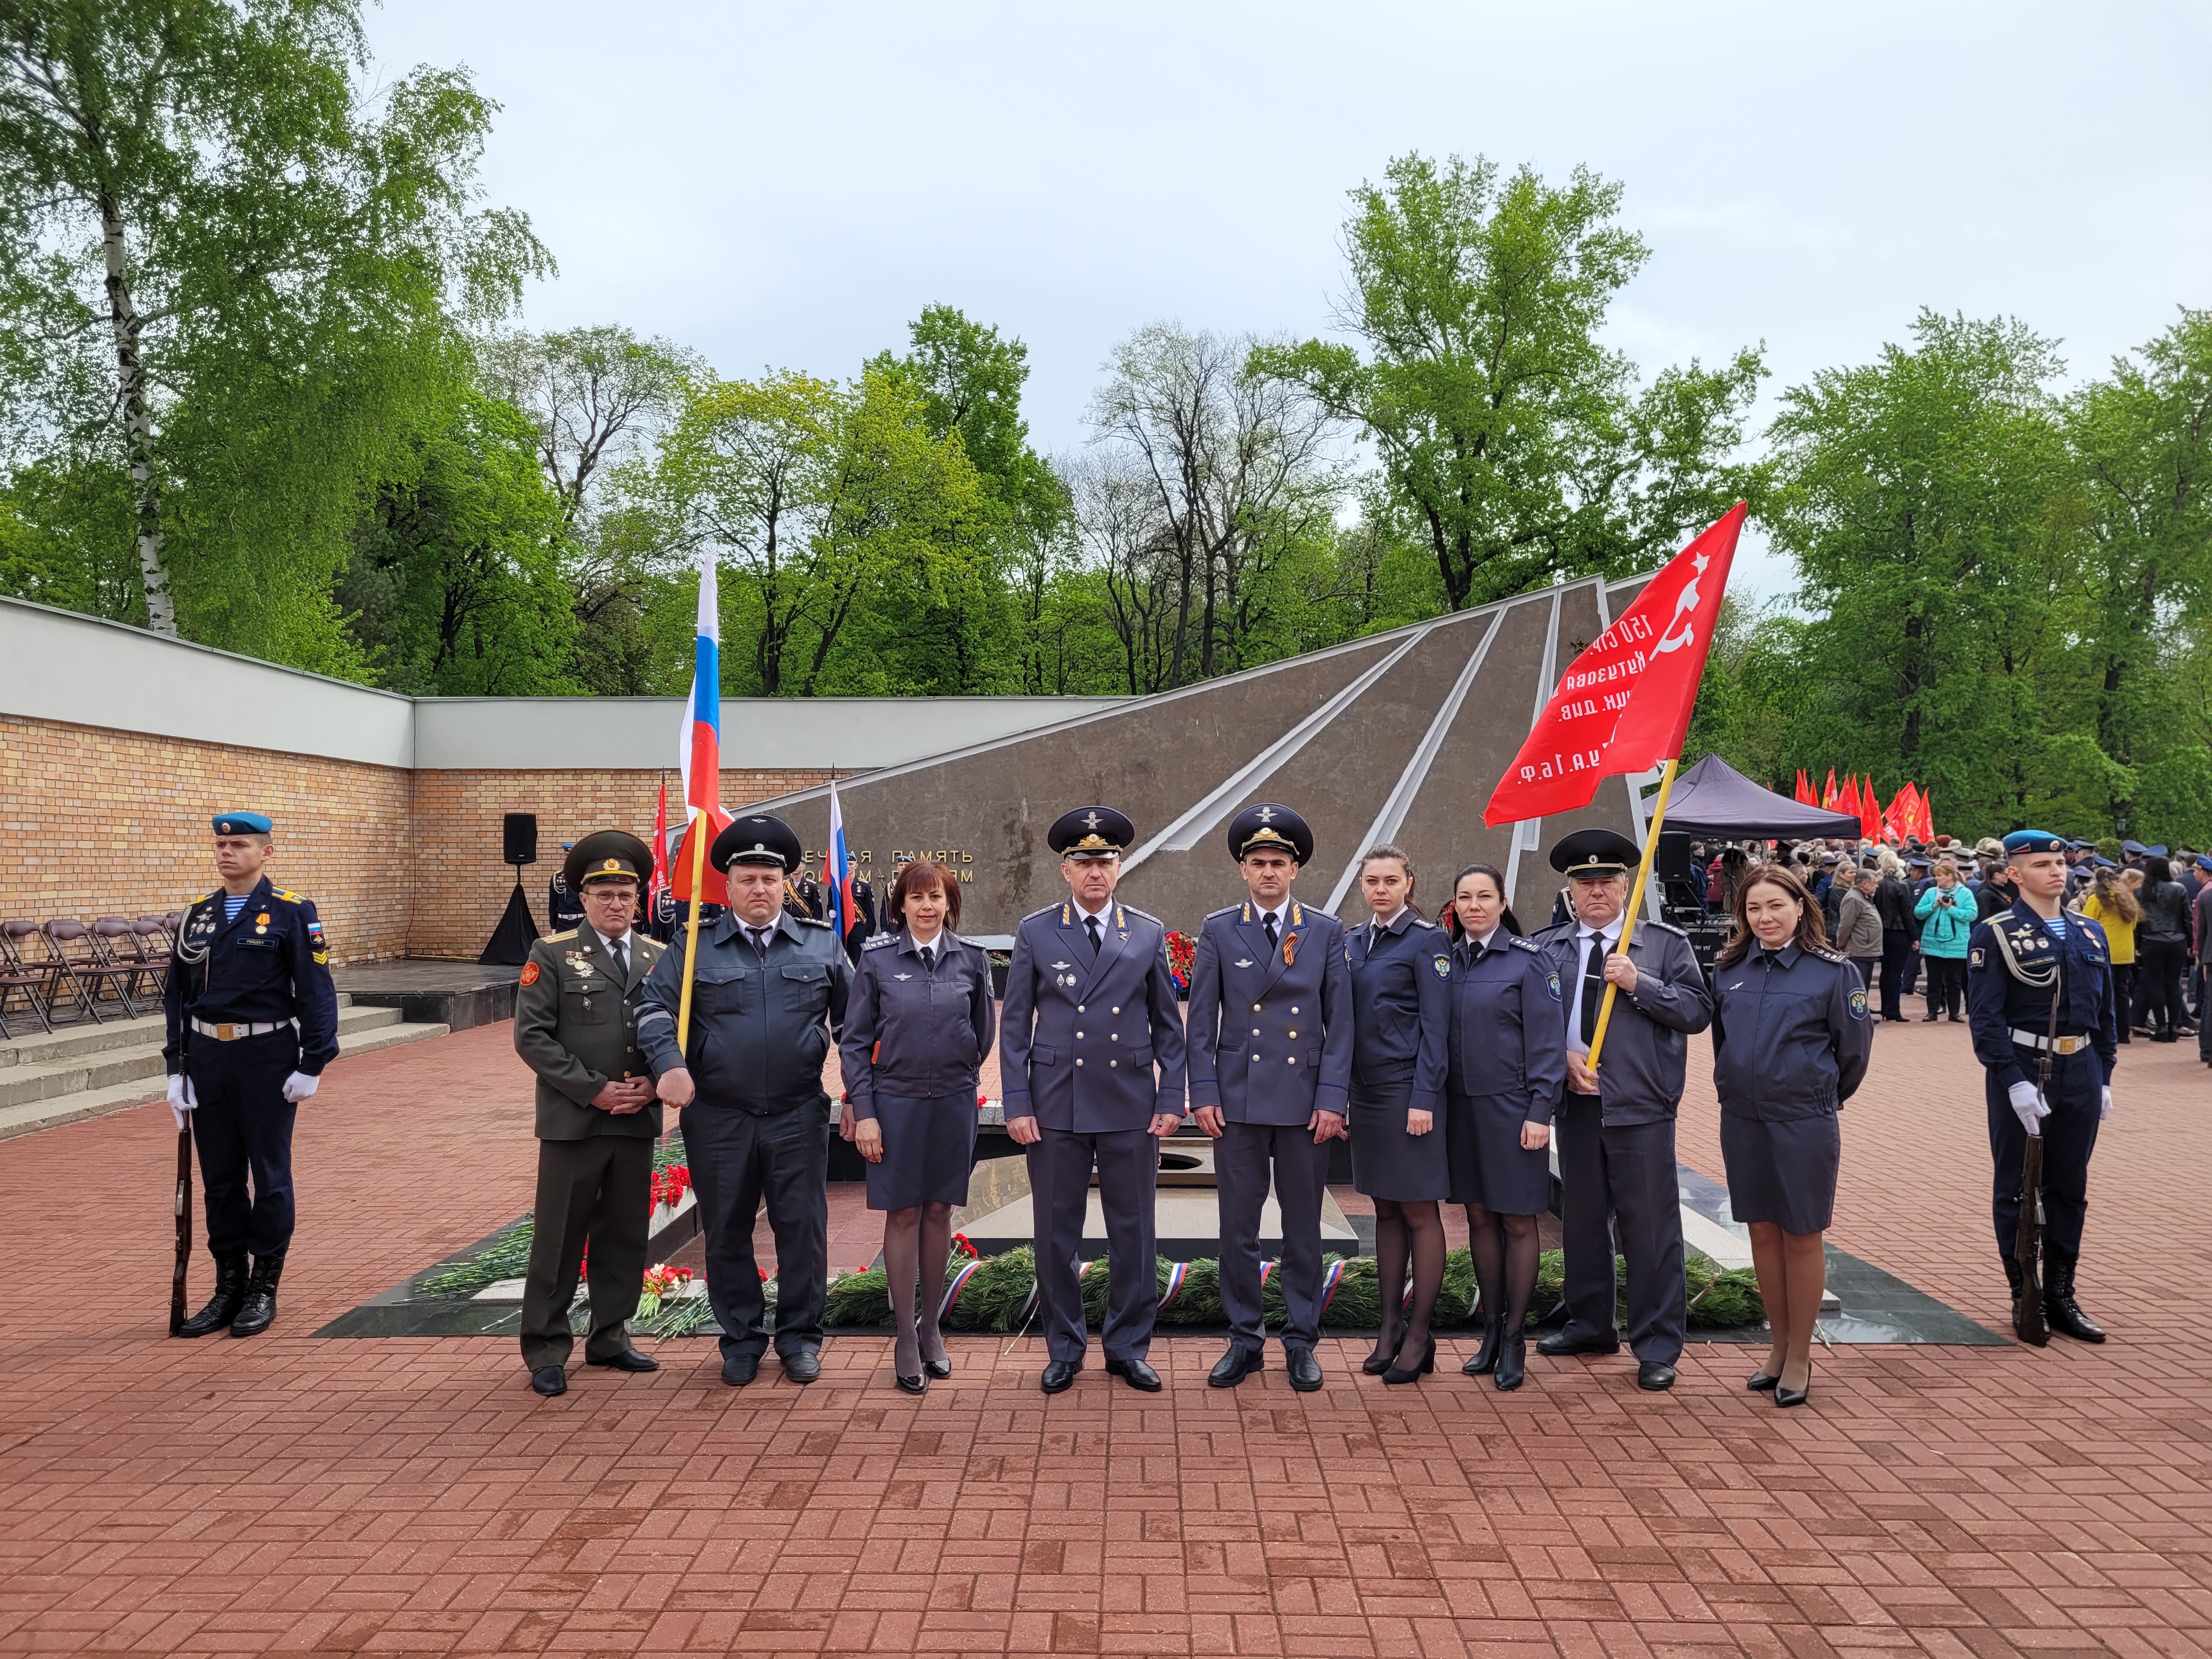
1615	1128
1271	1046
575	1025
252	1019
767	1001
1091	1046
564	905
2039	984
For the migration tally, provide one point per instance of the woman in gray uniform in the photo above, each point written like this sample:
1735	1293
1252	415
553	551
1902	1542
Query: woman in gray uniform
1400	1001
1790	1042
917	1028
1507	1064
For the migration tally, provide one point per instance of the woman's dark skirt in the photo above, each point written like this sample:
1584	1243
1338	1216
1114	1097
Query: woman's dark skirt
1782	1170
928	1148
1387	1163
1489	1165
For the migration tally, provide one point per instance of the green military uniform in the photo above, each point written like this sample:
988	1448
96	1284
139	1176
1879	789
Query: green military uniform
575	1025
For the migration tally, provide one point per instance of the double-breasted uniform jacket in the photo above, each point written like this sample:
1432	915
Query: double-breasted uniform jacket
2009	962
1792	1038
1271	1031
912	1030
759	1030
1508	1035
1090	1044
1401	1008
269	965
1645	1060
575	1026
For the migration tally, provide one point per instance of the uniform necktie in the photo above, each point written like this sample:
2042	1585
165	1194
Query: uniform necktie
621	949
929	958
1097	934
1267	921
1593	985
760	942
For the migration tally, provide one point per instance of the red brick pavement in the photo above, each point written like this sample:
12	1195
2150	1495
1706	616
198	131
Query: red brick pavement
297	1495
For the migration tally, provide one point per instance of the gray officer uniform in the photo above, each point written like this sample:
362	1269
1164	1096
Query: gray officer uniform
762	1024
1090	1044
1791	1040
1508	1064
917	1028
1617	1149
1271	1044
1401	1008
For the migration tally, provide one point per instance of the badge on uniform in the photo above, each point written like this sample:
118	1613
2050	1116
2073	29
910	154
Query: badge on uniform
529	975
1974	957
1858	1004
1552	984
1443	965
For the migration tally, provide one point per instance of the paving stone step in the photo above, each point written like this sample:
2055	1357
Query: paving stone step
20	1085
39	1049
46	1113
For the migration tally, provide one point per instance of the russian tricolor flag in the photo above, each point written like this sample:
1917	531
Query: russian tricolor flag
699	743
837	871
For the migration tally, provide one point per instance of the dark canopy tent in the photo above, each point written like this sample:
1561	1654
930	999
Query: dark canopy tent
1713	801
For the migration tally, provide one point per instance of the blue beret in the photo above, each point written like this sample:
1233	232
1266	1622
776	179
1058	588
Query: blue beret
242	823
2204	860
2034	840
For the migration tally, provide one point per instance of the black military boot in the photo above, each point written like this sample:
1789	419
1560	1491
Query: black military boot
223	1307
2014	1278
2062	1312
259	1311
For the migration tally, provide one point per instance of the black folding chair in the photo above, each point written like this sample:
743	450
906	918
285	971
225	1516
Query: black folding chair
86	965
35	984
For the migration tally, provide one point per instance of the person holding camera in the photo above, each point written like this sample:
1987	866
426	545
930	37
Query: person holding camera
1947	913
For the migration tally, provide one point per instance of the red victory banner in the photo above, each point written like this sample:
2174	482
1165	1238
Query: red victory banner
1624	707
1829	797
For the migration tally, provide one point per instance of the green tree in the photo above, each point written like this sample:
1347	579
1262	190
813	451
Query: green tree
224	272
1516	441
459	583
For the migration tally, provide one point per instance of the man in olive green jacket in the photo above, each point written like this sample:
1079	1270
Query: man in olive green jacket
575	1025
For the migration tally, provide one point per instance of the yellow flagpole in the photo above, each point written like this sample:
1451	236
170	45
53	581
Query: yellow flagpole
700	821
1628	916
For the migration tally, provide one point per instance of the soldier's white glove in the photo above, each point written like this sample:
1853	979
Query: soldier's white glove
2028	1106
2105	1105
184	1100
300	1086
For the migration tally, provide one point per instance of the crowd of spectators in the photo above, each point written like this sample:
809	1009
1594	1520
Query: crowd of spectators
1904	912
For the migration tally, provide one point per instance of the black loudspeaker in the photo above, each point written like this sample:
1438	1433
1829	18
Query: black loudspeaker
522	838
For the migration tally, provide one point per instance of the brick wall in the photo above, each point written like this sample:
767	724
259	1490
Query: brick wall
103	823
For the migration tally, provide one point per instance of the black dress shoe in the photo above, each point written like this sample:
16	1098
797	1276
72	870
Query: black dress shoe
550	1380
1137	1374
1512	1360
1760	1382
1483	1359
911	1384
739	1368
1233	1367
1655	1374
1059	1376
629	1359
940	1368
1385	1355
802	1365
1558	1344
1794	1396
223	1307
258	1311
1305	1370
1396	1375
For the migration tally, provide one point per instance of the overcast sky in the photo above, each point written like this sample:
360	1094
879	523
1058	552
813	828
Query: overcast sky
783	186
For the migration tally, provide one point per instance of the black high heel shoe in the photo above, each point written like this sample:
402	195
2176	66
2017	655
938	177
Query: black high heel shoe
1428	1363
940	1368
1483	1359
911	1384
1759	1381
1512	1359
1383	1359
1794	1396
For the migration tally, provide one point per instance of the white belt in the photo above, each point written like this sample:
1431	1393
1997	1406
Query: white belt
232	1033
2065	1045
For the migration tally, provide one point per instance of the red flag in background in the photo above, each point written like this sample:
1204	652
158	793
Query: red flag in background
1927	818
1829	797
660	878
1847	799
1623	704
1869	811
1804	792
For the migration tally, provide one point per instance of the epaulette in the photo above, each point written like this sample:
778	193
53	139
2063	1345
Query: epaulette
1133	910
1665	928
555	939
1034	914
1421	921
879	941
1520	944
288	898
1226	910
809	921
1823	953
